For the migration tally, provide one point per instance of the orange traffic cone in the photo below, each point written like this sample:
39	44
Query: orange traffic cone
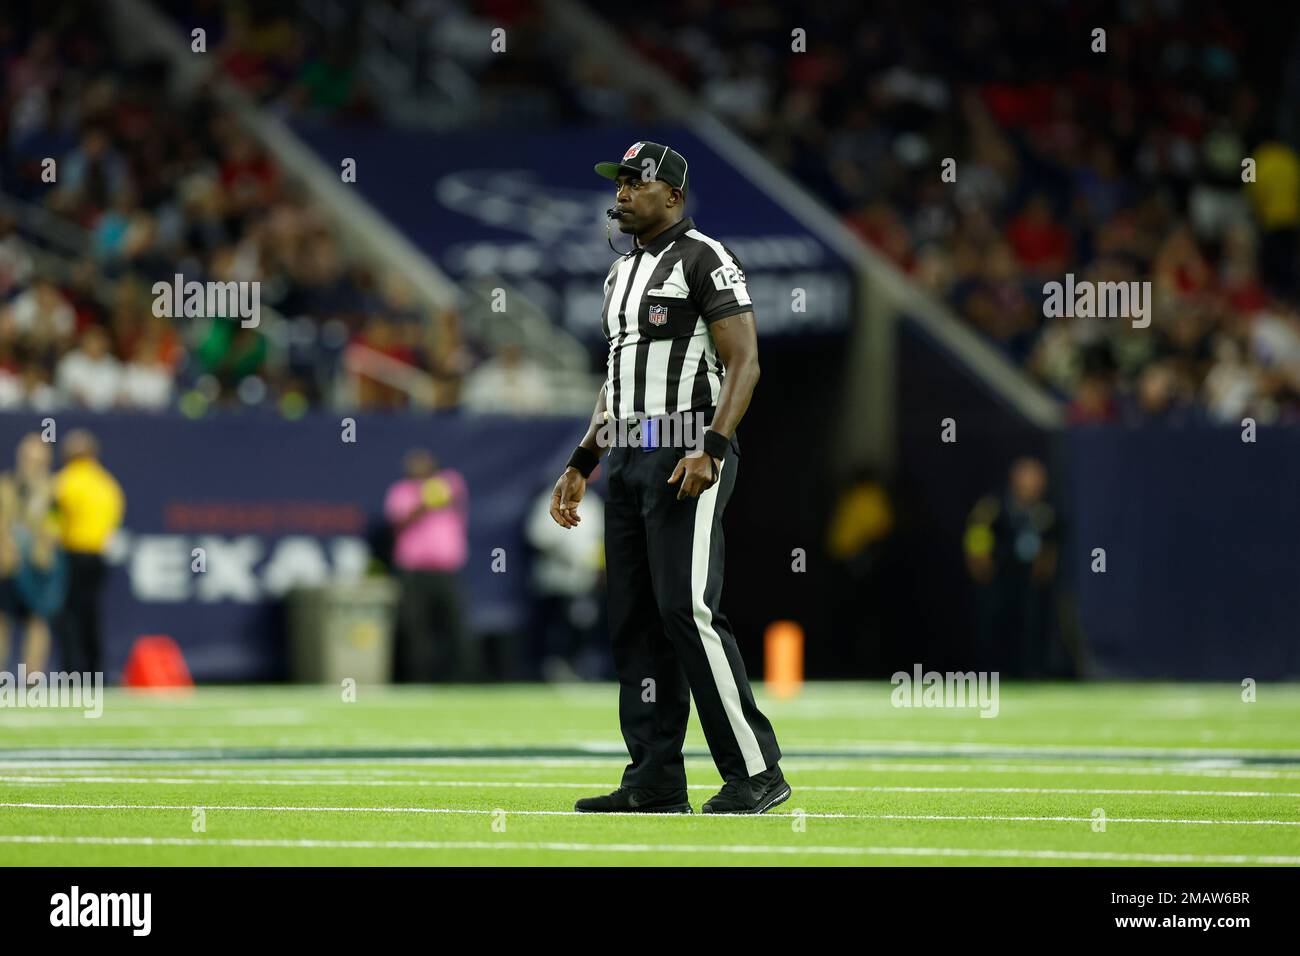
156	663
783	658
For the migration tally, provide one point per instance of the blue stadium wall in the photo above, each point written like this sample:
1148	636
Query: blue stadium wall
278	503
1201	533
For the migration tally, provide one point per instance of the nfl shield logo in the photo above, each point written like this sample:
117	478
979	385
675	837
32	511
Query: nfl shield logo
658	314
632	151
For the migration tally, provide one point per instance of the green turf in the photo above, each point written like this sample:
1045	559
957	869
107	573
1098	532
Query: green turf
1184	774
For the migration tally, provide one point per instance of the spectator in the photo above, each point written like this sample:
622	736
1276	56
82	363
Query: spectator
89	376
41	316
1094	402
1161	394
1276	201
393	342
1041	244
16	266
147	378
92	176
11	376
38	393
508	383
1232	387
448	357
231	353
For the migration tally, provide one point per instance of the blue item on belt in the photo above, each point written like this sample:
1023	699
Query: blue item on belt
650	434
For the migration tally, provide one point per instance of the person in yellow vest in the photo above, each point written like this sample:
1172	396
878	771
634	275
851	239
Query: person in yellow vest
90	505
1275	198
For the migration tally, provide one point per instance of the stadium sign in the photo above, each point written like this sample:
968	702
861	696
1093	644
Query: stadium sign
226	515
470	203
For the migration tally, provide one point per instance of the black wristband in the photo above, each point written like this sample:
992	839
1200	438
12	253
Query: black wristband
583	459
716	444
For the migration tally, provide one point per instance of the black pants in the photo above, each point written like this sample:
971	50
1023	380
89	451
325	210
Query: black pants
431	644
1013	624
671	640
78	624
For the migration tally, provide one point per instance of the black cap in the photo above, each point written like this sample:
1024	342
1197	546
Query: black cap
662	162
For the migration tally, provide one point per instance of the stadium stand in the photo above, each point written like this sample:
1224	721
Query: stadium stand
147	189
1128	172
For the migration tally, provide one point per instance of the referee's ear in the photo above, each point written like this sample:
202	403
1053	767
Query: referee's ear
677	196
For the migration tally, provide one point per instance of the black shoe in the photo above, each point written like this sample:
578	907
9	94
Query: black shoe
636	800
756	794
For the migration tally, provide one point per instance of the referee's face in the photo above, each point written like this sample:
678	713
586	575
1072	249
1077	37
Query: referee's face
645	205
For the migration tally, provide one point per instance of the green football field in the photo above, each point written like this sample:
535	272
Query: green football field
1102	774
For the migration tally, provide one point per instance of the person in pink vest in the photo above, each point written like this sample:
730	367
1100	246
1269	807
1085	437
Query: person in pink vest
428	511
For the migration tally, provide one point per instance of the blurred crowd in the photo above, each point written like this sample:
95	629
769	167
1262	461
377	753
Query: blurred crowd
435	58
1122	165
148	188
268	50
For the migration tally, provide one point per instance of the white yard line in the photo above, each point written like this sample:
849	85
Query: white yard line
571	813
337	764
384	766
667	848
578	785
830	750
65	717
931	748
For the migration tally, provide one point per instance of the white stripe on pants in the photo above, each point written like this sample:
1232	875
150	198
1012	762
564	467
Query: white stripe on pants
701	549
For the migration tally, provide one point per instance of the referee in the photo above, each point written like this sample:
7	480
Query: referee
682	348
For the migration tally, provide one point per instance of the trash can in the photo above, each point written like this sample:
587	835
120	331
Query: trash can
337	631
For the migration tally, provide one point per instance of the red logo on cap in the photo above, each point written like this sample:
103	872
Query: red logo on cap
632	151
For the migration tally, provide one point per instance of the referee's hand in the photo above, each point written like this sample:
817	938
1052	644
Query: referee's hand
564	499
697	473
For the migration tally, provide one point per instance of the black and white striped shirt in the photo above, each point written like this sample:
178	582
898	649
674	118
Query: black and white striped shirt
659	302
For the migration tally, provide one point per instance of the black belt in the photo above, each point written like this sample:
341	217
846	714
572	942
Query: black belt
649	433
